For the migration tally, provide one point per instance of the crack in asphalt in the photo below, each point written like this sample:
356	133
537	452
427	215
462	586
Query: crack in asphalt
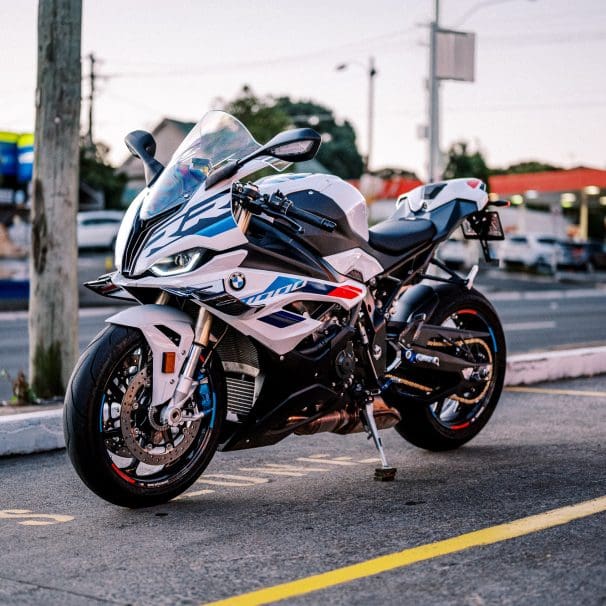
79	594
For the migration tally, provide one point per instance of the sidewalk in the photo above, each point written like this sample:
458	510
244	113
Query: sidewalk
29	429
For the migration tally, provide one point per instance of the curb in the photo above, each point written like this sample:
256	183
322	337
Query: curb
537	367
32	432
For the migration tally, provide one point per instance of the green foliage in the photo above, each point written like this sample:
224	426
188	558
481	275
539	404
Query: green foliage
463	162
259	114
47	361
389	172
266	116
96	171
530	166
338	152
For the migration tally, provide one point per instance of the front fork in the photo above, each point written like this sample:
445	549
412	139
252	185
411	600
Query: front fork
173	413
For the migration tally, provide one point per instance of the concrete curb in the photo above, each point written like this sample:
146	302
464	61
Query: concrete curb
42	431
30	432
537	367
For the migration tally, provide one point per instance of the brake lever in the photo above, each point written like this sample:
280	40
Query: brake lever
288	222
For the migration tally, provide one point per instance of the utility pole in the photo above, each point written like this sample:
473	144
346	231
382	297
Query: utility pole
434	99
53	306
372	72
91	100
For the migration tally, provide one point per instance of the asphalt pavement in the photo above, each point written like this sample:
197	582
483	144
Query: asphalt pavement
264	517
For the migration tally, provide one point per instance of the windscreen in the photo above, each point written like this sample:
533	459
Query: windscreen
215	139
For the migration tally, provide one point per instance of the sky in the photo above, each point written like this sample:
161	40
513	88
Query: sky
540	89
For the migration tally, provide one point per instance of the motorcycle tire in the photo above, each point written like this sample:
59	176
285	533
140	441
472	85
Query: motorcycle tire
420	425
93	402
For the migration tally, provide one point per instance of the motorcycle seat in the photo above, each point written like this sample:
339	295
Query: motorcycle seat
394	236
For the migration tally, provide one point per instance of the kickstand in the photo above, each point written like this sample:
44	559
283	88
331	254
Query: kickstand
385	473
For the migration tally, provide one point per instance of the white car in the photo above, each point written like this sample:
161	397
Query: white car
540	253
458	254
99	228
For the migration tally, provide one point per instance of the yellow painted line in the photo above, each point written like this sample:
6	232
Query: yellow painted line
274	472
486	536
227	479
28	518
193	493
557	392
325	461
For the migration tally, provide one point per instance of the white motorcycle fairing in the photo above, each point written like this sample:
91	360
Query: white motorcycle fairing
253	301
150	320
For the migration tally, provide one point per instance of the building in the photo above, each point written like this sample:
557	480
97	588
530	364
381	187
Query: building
578	194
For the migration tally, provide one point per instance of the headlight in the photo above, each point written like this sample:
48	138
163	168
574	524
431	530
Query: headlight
179	263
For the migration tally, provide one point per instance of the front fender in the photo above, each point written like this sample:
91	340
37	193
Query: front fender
166	330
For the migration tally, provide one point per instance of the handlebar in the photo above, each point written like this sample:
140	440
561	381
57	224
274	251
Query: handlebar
277	205
311	218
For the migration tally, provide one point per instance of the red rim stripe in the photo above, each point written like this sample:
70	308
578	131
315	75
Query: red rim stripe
122	474
461	426
467	311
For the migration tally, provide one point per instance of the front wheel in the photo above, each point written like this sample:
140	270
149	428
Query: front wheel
452	421
117	442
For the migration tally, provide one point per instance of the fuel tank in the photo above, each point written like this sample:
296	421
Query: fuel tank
326	195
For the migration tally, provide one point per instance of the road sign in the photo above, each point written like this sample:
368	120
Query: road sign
455	55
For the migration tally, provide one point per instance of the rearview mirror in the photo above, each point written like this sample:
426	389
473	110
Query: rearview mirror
141	144
294	145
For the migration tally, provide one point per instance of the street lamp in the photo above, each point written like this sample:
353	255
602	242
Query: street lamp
372	72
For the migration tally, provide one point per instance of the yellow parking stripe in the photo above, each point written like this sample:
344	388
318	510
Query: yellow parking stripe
486	536
557	392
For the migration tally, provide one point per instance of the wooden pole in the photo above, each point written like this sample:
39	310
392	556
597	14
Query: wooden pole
53	306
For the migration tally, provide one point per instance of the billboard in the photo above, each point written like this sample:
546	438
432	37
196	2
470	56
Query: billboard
8	157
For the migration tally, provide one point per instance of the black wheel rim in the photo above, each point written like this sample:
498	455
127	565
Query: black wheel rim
122	462
461	411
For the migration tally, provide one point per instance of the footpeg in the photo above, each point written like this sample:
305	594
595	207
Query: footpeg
385	473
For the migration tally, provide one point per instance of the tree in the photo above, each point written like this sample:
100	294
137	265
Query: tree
530	166
53	309
266	116
338	152
96	171
465	163
259	114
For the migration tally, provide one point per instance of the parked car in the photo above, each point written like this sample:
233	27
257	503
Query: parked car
572	255
596	252
98	229
458	254
531	251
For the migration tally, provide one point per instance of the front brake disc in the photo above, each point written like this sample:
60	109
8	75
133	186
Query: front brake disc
142	438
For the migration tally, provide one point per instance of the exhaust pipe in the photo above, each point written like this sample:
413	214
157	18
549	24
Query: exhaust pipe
345	422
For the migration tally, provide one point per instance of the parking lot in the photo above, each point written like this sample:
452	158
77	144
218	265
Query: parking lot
267	517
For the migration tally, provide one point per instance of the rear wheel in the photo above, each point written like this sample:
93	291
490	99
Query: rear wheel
452	421
119	444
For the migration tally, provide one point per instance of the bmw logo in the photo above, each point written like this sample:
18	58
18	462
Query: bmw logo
237	281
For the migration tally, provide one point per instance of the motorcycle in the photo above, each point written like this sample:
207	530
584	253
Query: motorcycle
266	307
